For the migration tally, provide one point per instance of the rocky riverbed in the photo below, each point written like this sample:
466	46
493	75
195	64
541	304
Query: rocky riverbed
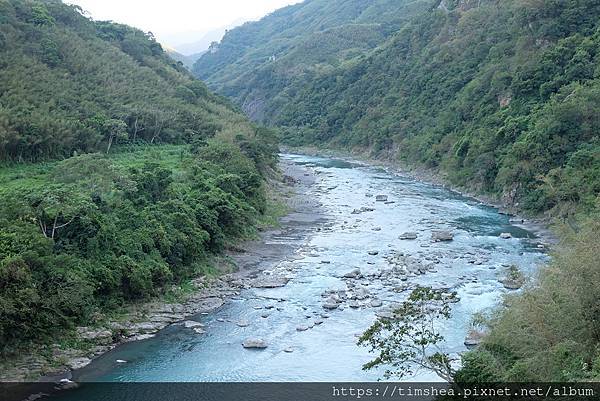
359	239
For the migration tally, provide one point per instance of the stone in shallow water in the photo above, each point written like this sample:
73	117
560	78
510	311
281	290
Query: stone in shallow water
289	350
381	198
190	324
473	339
376	303
302	328
506	235
440	236
355	273
270	282
255	343
373	253
408	236
243	323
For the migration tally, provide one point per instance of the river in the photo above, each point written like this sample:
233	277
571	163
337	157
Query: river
471	265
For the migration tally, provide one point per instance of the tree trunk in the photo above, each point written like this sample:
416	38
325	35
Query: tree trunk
110	140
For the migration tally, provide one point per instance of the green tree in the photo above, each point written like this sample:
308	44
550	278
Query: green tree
410	340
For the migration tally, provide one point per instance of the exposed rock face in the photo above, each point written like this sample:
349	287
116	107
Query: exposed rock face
78	363
442	236
255	343
97	336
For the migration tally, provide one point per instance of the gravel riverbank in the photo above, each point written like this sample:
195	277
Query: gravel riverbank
251	259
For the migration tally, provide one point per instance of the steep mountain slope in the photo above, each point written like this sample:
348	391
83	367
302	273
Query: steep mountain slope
255	62
499	96
68	84
82	235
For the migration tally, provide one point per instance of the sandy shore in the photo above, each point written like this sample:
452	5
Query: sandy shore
252	261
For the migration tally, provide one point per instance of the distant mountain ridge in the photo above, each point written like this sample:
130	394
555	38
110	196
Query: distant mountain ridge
255	61
497	96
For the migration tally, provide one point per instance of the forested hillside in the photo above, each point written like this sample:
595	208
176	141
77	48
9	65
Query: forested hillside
254	63
140	174
498	96
68	84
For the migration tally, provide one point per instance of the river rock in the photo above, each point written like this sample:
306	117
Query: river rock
408	236
512	285
302	328
331	303
243	323
441	236
361	293
288	350
376	303
255	343
190	324
64	384
270	281
146	327
506	235
473	339
373	253
381	198
355	273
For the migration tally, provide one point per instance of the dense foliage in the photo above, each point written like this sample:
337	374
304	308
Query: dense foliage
71	85
119	215
550	332
254	63
91	232
500	96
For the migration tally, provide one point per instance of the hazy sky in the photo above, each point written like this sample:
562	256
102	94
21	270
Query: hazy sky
167	18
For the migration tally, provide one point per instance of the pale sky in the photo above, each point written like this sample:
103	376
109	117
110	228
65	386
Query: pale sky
168	18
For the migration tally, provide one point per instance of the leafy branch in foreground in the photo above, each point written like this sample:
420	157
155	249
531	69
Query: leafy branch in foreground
409	340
